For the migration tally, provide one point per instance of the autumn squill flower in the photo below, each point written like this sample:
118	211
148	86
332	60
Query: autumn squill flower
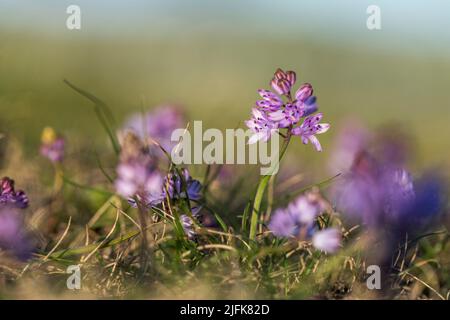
282	82
272	113
310	128
262	127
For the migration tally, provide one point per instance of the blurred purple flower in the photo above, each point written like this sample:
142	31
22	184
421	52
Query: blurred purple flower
298	220
137	173
381	193
429	200
188	224
157	125
309	128
13	235
327	240
350	141
52	145
9	196
304	210
139	180
283	224
174	185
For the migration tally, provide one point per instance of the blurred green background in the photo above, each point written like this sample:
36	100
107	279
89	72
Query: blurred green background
212	56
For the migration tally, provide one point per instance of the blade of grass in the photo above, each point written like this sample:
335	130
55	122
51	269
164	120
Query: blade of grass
245	217
103	113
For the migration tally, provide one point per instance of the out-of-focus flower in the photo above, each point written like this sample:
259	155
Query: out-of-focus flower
13	235
188	224
136	179
298	221
351	140
309	128
9	196
52	145
174	185
428	200
137	173
379	191
283	224
327	240
272	113
157	125
304	210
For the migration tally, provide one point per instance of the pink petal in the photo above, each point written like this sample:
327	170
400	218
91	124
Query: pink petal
315	142
323	128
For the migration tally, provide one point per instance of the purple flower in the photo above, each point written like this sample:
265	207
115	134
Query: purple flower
283	224
309	128
283	81
304	210
327	240
188	224
288	116
13	236
262	126
270	101
298	220
137	173
52	145
9	196
272	113
351	140
383	194
174	185
139	180
309	106
157	125
399	191
430	198
304	92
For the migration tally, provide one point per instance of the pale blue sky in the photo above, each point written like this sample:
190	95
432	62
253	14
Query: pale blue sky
417	25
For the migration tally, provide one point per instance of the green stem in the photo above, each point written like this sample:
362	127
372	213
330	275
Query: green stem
262	188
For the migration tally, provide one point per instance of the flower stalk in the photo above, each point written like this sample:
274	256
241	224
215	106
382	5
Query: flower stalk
262	185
